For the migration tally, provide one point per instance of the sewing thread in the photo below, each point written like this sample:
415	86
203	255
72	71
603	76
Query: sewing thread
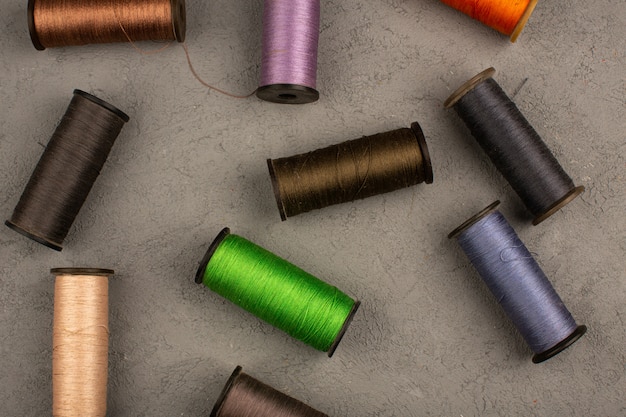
513	145
276	291
57	23
245	396
80	340
67	170
350	171
518	283
505	16
289	55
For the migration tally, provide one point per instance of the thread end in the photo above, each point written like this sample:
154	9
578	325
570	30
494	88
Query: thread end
229	384
561	346
575	192
468	86
475	218
31	235
287	94
209	253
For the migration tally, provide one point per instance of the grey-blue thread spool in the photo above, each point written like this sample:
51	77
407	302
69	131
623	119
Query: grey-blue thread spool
518	283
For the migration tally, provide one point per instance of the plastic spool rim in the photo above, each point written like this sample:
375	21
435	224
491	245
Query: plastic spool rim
421	141
523	20
474	219
179	19
561	346
287	93
82	271
209	253
31	235
575	192
468	86
103	104
276	188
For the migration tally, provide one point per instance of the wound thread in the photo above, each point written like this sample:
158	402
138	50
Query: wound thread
289	55
67	170
276	291
57	23
513	145
518	283
350	171
80	339
245	396
505	16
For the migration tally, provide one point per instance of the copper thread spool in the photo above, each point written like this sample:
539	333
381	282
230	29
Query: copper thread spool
57	23
80	340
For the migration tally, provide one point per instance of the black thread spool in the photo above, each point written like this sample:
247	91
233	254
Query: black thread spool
245	396
67	170
351	170
514	147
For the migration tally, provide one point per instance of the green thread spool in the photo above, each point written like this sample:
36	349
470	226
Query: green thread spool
277	291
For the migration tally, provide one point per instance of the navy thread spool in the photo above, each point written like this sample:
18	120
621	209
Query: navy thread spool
513	145
67	170
245	396
518	283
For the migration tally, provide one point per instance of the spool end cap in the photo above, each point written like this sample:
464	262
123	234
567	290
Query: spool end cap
209	253
287	94
561	346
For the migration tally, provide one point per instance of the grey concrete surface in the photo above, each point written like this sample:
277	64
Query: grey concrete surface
429	340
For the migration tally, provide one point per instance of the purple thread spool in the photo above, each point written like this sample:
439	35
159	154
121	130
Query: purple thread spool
289	56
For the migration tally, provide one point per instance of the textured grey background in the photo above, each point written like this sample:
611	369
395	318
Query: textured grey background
429	339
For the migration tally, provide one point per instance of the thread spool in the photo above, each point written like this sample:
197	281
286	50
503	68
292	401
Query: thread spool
245	396
289	55
350	171
57	23
513	145
67	170
80	342
518	283
276	291
505	16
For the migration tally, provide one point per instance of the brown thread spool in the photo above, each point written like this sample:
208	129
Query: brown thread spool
80	339
244	396
350	171
55	23
67	170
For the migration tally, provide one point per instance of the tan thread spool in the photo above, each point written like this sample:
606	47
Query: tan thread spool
80	342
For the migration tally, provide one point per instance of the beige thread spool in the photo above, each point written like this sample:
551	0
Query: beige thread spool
80	342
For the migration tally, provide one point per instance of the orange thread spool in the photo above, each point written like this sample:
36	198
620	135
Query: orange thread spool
506	16
54	23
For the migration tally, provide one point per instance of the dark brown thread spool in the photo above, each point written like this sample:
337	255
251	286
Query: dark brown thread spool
513	145
350	171
67	170
244	396
56	23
